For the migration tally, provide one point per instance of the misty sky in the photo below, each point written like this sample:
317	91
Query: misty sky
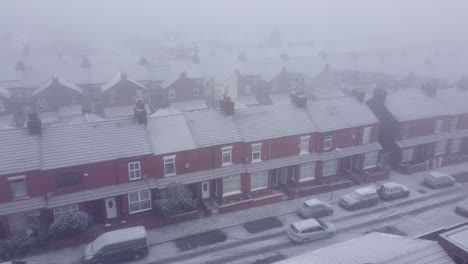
87	21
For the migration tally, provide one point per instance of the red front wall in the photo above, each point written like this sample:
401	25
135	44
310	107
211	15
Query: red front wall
423	127
347	137
125	93
183	88
58	95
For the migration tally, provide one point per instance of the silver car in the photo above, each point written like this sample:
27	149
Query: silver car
360	198
438	179
310	229
314	208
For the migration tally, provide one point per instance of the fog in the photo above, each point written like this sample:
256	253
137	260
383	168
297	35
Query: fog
89	23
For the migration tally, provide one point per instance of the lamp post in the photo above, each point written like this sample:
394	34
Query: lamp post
336	171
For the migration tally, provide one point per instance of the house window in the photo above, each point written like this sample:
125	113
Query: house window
68	180
370	159
327	142
227	155
64	210
139	202
366	135
407	155
111	97
169	165
42	103
454	124
329	167
134	170
258	180
18	186
256	152
405	131
439	126
440	147
196	92
456	145
172	94
231	185
307	171
304	145
2	106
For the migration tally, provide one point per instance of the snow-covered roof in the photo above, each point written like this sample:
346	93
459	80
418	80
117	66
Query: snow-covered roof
59	81
306	223
458	237
247	100
121	235
118	77
312	202
280	98
122	111
365	190
272	121
454	100
339	113
170	134
376	248
412	104
165	112
188	106
19	151
70	110
5	93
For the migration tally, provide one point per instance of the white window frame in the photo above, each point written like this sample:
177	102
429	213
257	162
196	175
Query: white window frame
329	167
256	152
440	147
172	94
2	106
16	180
134	170
258	179
140	201
168	160
405	131
454	124
234	180
439	126
371	159
327	142
307	171
196	92
456	147
366	133
226	150
407	154
304	145
63	210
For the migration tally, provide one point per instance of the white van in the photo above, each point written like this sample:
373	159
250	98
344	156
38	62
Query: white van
119	245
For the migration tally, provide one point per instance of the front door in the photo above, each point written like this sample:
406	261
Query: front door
205	190
111	208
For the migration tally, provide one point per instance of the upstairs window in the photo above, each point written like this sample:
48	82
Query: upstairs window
366	132
18	186
68	180
111	98
227	155
196	92
404	131
42	103
439	126
172	94
454	124
256	152
327	142
304	145
134	170
169	165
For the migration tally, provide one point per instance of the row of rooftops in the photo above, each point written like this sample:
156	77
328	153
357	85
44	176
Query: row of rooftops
70	145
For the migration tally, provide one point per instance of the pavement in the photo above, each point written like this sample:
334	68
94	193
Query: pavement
232	222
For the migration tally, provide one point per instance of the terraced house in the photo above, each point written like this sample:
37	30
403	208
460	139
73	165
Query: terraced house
228	159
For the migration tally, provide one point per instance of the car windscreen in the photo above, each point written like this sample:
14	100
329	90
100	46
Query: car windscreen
322	224
294	229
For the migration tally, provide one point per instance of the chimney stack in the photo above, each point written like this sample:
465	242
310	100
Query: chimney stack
34	123
85	62
195	58
430	89
20	66
123	76
140	113
359	94
227	106
380	96
298	98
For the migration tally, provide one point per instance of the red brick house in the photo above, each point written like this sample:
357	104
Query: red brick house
120	90
56	92
422	128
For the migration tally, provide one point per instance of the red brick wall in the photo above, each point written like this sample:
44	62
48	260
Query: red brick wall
125	93
147	166
237	154
58	95
197	160
184	90
423	127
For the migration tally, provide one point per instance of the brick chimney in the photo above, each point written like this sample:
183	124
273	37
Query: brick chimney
34	123
380	96
430	89
359	94
298	98
140	113
227	106
123	76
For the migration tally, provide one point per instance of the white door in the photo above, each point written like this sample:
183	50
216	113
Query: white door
111	208
205	190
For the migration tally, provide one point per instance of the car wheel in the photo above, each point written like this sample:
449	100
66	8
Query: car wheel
352	208
406	194
330	212
330	235
305	240
137	256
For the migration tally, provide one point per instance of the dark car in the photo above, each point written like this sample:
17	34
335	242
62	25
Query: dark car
437	180
314	208
391	190
360	198
462	207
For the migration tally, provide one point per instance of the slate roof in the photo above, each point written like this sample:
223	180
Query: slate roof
413	104
170	134
60	81
339	113
19	151
376	248
211	127
272	121
70	145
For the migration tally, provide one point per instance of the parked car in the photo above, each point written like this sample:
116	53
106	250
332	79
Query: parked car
462	207
438	179
392	190
360	198
118	245
310	229
314	208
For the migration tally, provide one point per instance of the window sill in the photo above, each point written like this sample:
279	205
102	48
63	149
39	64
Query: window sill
136	212
261	188
226	164
307	179
170	175
255	161
21	198
370	167
304	152
231	193
134	179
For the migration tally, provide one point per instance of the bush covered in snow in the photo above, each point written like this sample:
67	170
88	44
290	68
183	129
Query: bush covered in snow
68	225
21	244
174	199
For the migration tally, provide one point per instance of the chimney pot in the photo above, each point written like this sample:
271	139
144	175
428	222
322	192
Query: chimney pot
34	123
